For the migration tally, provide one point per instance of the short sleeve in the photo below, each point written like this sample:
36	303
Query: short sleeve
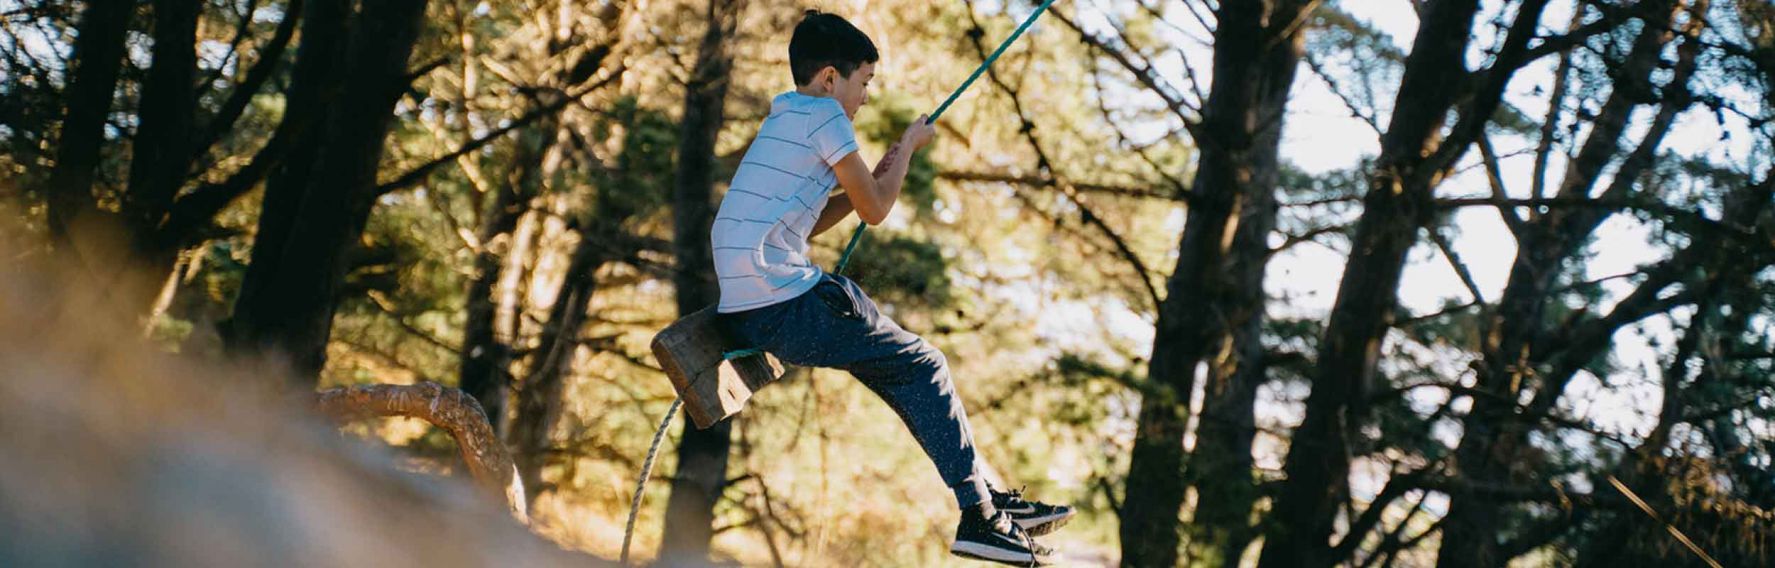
831	133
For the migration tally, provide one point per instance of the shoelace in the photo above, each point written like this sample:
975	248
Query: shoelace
1014	496
1028	542
1002	522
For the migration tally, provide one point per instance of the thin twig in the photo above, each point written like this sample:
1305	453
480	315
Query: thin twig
1674	532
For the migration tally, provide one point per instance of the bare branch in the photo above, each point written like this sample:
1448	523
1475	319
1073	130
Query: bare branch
387	308
1397	486
1291	240
1045	166
1355	111
1544	148
1036	181
1181	188
1495	177
418	174
269	56
1143	71
455	411
1460	268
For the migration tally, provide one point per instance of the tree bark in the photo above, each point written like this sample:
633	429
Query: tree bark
191	214
315	214
702	454
1214	303
314	80
483	455
159	159
1221	467
97	58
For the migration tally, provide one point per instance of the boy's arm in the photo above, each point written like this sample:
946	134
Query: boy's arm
873	195
839	206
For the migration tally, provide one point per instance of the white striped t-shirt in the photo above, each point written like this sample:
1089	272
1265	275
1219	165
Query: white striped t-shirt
760	233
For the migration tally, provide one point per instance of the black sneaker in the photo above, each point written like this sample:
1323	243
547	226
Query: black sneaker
1035	517
995	538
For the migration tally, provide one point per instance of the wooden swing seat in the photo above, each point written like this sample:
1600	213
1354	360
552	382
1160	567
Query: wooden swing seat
712	386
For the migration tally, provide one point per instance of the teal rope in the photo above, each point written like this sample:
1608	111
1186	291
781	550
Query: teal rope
857	237
738	353
851	247
981	70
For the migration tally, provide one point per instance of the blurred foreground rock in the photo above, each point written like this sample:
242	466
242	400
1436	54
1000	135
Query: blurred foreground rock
115	454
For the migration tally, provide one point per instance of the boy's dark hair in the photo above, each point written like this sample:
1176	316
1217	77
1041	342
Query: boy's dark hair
823	40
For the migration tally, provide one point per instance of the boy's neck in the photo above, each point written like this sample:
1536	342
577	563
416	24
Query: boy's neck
813	90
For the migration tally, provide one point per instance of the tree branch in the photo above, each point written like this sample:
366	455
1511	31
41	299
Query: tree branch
243	94
1177	184
451	409
1045	166
1396	487
1035	181
1495	177
1460	268
418	174
1143	71
1492	82
240	33
1355	111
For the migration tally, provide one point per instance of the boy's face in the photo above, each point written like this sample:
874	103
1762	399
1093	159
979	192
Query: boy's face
852	92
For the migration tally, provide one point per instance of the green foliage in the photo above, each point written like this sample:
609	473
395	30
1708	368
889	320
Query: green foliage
641	179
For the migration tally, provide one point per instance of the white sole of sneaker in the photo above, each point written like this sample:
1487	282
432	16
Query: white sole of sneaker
979	551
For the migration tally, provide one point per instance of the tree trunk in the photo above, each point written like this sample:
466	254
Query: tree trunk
307	227
97	58
1397	204
314	80
1215	292
702	454
1221	465
539	401
161	152
486	358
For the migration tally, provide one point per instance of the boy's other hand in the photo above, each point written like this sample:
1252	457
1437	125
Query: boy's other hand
919	133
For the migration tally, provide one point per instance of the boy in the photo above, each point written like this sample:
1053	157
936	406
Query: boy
774	298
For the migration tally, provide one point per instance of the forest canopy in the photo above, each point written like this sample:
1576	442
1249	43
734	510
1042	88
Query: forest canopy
1248	282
